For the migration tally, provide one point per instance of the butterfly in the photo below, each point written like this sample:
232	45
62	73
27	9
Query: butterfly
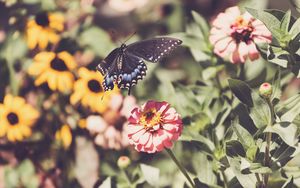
125	65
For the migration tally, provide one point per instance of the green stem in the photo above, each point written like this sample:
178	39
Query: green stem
224	179
268	140
181	168
242	75
123	172
12	73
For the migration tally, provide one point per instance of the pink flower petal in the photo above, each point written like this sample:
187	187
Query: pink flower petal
253	53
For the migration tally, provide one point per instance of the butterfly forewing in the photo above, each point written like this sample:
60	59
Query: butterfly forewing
153	49
109	62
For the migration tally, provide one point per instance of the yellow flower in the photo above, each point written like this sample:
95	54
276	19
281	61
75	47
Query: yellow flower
53	69
64	135
88	90
16	118
43	29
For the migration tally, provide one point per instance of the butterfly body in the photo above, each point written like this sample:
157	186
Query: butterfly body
124	66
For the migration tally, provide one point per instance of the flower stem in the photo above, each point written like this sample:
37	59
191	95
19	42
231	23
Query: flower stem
268	140
181	168
12	73
224	179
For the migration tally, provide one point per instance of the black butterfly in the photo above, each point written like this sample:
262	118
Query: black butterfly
125	65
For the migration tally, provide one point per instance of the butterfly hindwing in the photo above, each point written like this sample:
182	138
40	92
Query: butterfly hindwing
154	49
133	69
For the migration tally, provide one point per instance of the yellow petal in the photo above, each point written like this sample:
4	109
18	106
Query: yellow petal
68	59
43	39
84	72
17	133
26	131
66	136
44	57
42	78
32	37
53	37
8	100
53	81
18	103
36	69
10	135
2	110
56	21
68	80
3	128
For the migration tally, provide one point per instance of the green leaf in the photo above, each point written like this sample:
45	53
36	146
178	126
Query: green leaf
27	174
234	148
246	180
14	49
189	135
201	22
151	174
258	168
204	168
106	183
199	50
31	1
295	29
242	91
260	113
271	22
96	39
199	184
287	132
289	109
199	121
277	56
276	94
211	72
243	135
11	177
284	25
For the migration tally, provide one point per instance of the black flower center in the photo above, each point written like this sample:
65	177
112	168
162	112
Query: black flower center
58	64
243	36
42	19
12	118
95	86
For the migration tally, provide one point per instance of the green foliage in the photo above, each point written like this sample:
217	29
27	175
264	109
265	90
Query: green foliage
25	173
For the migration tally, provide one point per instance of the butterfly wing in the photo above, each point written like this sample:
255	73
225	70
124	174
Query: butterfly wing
154	49
109	62
133	69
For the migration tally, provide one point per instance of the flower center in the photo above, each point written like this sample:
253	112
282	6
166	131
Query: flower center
150	119
58	64
12	118
42	19
242	30
94	86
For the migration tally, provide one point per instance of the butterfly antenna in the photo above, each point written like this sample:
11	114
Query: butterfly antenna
129	37
102	97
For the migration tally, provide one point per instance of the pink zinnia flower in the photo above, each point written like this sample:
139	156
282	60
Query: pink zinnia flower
154	127
234	35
